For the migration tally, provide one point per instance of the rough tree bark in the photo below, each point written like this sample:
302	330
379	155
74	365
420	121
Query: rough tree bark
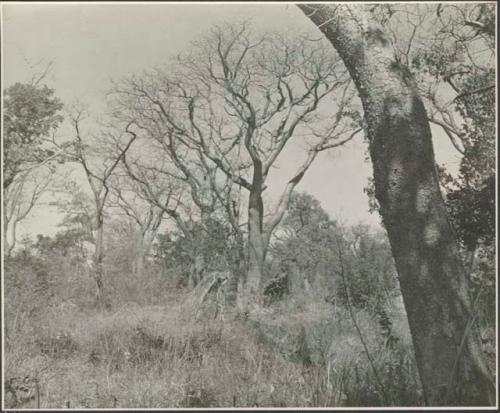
432	277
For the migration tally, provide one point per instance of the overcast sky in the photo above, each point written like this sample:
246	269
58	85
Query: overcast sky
90	44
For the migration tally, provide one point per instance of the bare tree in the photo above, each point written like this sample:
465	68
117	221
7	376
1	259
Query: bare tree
451	364
146	215
232	106
186	183
98	171
167	191
147	189
19	198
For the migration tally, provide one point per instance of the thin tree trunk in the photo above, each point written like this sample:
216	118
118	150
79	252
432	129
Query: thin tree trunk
231	290
256	248
98	264
144	244
296	280
139	263
196	271
12	226
307	286
451	364
470	256
7	246
138	259
237	273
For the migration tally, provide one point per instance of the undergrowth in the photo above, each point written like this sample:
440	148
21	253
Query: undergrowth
157	356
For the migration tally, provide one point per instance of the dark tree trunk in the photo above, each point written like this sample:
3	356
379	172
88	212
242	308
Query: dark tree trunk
452	367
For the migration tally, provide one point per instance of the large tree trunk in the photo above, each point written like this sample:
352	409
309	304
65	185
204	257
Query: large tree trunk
432	278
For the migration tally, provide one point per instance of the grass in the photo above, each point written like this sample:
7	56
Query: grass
148	351
157	356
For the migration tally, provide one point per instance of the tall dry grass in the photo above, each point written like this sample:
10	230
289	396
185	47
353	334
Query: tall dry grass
158	356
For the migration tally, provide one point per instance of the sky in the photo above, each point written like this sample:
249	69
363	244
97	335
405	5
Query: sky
90	44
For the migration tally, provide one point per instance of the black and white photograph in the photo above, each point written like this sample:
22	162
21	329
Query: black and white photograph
249	205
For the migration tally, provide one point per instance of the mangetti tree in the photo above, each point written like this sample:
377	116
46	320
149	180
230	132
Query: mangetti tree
233	104
451	364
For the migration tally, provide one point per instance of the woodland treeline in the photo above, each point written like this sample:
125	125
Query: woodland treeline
171	246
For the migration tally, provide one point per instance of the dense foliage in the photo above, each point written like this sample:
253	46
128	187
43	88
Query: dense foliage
30	114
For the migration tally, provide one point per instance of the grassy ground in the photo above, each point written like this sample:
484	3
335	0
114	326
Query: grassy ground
158	356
